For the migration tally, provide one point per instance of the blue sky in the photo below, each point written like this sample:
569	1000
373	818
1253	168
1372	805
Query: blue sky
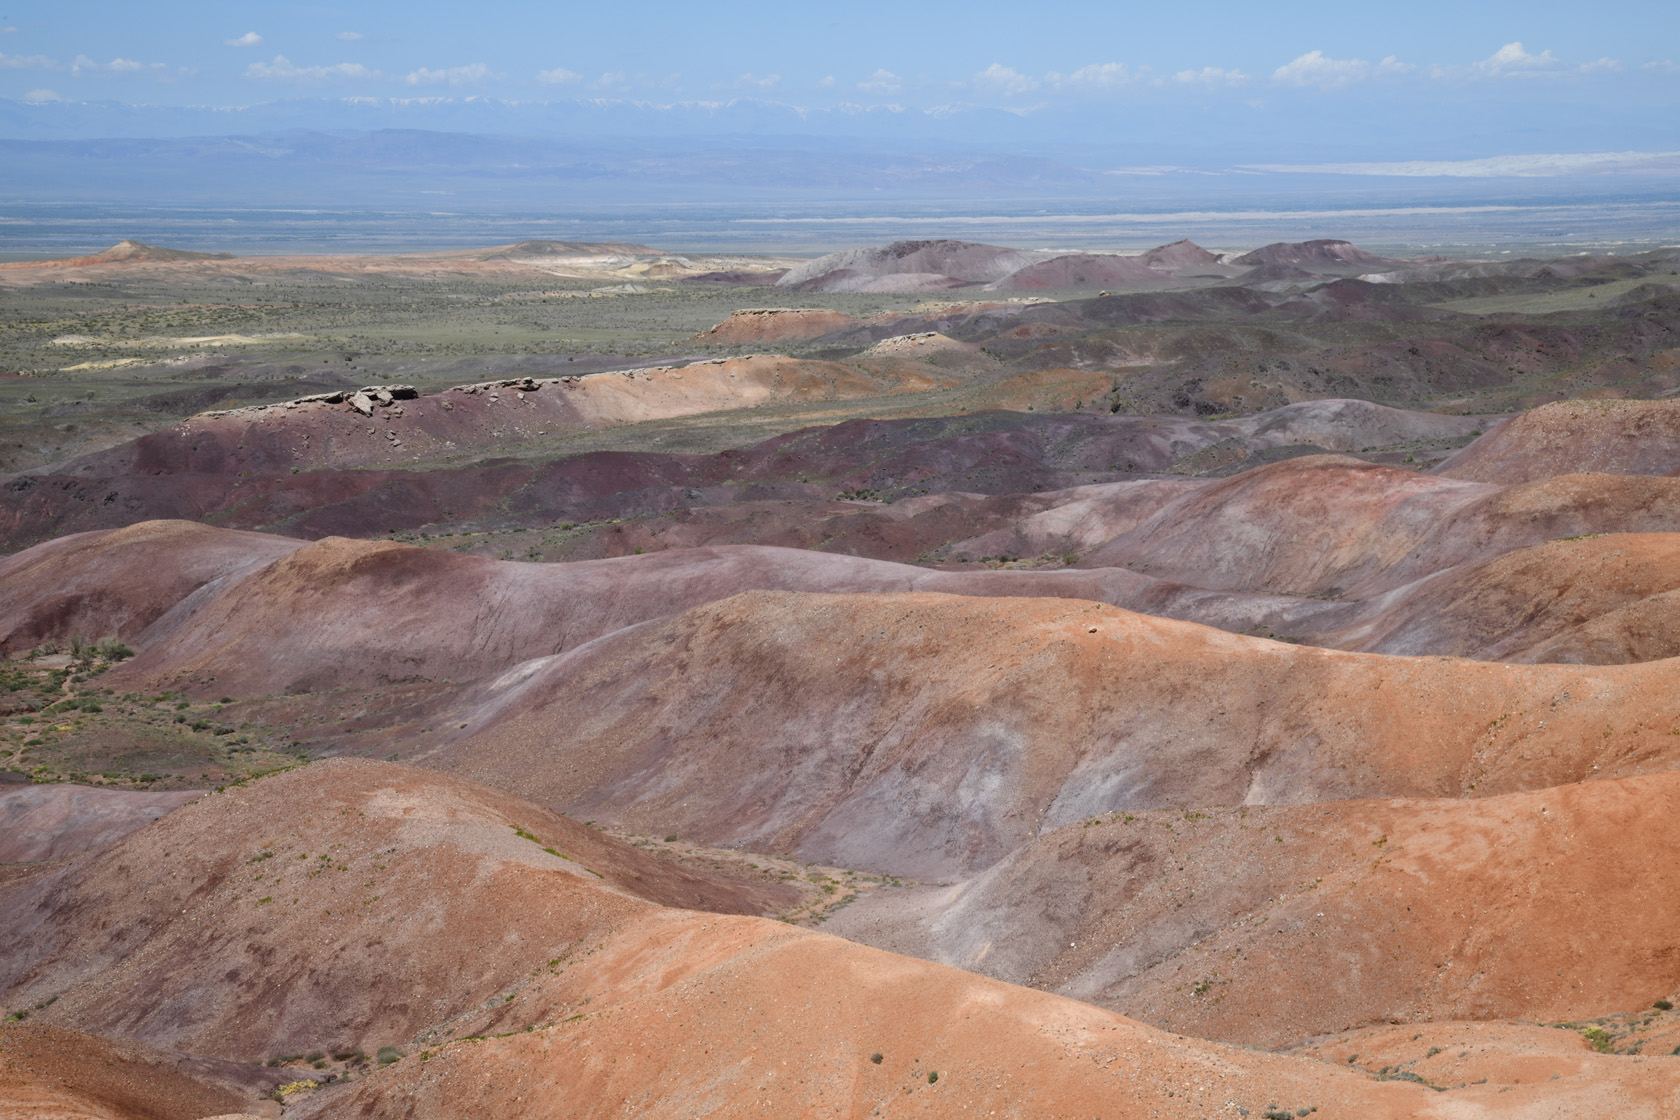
1502	77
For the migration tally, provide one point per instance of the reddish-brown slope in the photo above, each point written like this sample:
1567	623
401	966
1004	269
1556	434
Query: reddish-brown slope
1181	254
1266	926
1531	513
733	1017
1534	604
929	735
1608	436
1327	525
349	904
338	613
990	452
49	1073
40	822
119	582
647	1010
1310	526
756	326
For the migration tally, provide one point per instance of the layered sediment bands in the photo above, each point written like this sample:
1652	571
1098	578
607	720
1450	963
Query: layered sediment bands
467	420
1599	599
738	1017
325	907
339	613
503	974
305	471
774	326
929	735
1268	926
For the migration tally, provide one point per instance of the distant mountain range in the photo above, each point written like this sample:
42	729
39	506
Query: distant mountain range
420	169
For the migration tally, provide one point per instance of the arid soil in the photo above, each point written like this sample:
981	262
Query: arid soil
1245	690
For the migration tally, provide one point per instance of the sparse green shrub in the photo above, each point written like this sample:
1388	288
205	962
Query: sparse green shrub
876	1058
388	1054
110	649
1663	1005
933	1076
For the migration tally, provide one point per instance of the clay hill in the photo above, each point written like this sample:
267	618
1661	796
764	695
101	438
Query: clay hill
304	467
591	995
140	251
1307	254
1248	691
910	266
774	325
1179	256
1083	270
1202	922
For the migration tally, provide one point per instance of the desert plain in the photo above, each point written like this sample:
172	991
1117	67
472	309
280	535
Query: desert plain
931	679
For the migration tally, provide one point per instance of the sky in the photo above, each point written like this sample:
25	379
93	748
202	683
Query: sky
1177	106
1316	64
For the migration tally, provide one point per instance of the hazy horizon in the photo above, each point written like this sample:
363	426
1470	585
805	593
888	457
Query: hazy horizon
1486	129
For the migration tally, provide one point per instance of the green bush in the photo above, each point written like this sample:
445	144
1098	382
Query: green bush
110	649
388	1054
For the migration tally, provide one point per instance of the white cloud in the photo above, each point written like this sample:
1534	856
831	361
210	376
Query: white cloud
882	81
1523	166
41	96
753	81
282	69
1666	65
1098	75
612	79
27	62
826	83
1513	60
1315	68
249	39
1004	80
122	67
558	76
1210	76
349	36
454	75
11	31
